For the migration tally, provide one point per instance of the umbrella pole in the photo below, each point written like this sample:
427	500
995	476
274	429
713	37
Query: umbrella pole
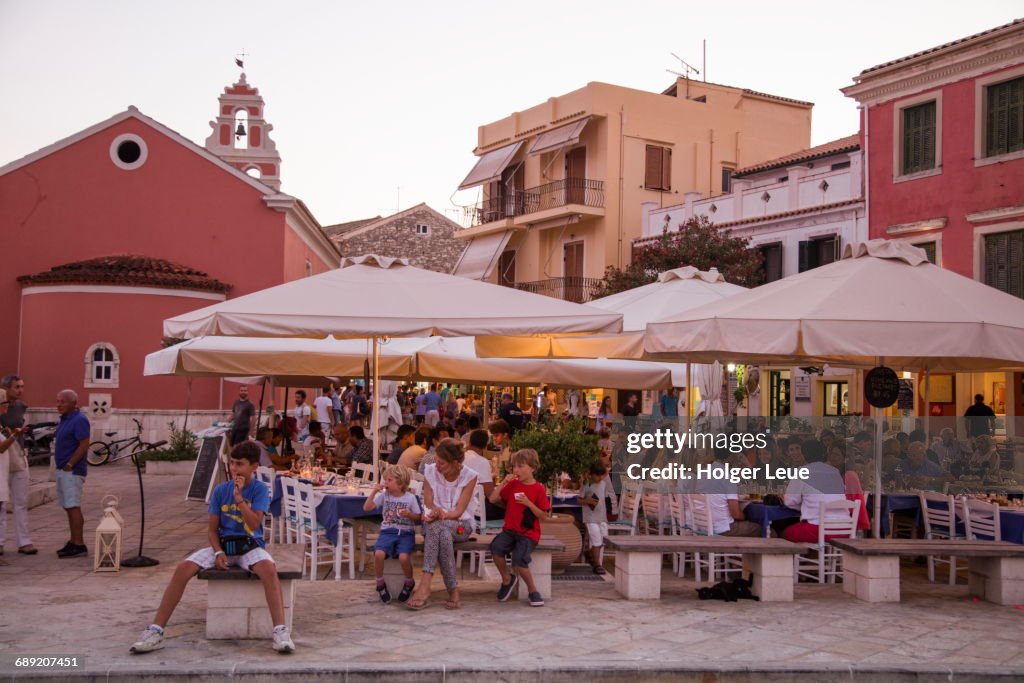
375	414
188	403
927	407
876	525
259	413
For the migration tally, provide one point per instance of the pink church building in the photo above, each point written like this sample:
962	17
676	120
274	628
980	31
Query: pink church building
111	230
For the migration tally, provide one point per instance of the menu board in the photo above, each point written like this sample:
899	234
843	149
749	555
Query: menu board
204	476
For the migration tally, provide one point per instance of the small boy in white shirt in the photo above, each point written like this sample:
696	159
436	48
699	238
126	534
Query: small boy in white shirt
595	514
400	510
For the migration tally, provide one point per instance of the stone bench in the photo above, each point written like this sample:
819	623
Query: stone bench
871	567
638	561
236	604
540	565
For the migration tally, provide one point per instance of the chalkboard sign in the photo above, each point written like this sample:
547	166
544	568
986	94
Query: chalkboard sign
204	476
881	387
905	400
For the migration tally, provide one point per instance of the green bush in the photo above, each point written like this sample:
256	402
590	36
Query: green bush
562	446
180	446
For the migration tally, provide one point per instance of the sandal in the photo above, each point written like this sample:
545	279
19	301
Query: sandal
416	603
454	601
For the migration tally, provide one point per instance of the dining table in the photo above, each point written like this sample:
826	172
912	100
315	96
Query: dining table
333	504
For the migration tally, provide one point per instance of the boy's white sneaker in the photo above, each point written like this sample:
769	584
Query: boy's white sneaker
150	640
283	641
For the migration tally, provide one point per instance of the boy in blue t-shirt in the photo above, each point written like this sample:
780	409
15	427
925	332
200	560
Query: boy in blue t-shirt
235	526
400	510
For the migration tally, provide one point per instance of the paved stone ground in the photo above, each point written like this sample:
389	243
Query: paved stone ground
53	606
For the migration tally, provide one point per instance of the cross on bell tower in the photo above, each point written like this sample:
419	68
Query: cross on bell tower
241	136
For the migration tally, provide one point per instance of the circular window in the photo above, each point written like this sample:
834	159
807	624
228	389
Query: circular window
128	151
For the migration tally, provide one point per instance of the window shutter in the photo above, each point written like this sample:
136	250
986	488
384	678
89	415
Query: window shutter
1005	118
919	138
652	167
666	168
928	136
1015	264
804	256
1004	262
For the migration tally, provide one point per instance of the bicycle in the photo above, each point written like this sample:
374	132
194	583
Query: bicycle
103	452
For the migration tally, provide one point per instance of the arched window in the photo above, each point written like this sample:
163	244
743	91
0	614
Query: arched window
102	365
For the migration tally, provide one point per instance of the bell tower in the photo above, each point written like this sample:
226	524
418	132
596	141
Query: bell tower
241	136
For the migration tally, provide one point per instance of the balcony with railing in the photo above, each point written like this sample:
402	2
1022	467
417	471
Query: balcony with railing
577	289
544	202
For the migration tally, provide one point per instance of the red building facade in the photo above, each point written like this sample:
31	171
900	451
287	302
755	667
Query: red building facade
942	132
126	223
943	135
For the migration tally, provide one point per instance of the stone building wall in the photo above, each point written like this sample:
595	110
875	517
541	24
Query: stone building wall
396	235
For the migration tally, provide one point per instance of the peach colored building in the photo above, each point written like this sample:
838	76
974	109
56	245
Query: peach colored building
126	223
562	182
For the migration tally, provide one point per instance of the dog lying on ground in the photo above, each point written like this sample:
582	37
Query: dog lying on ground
729	591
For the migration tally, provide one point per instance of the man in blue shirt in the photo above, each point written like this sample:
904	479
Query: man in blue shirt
71	445
921	472
432	402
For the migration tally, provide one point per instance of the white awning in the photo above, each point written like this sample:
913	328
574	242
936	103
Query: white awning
563	135
481	256
489	166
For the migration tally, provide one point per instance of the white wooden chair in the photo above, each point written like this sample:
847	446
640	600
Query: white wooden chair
702	524
981	520
485	530
289	519
656	517
629	508
317	548
939	514
271	524
363	471
826	562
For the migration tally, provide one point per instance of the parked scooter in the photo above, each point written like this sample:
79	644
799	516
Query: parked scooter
39	442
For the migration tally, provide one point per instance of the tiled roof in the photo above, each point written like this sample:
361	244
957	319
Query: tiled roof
938	48
127	270
847	144
342	228
771	217
672	90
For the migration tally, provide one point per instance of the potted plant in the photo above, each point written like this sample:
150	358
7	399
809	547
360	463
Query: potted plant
177	458
562	447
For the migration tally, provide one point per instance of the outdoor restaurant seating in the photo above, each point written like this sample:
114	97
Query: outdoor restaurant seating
938	513
981	520
826	562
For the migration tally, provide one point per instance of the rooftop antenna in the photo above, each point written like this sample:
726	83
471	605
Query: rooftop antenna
687	70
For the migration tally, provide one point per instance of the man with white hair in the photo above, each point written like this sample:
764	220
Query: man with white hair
11	389
72	443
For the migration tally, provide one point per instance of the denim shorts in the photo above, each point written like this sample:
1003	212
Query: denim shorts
69	489
519	546
394	542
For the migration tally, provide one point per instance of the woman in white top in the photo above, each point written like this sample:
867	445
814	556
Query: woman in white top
449	503
8	438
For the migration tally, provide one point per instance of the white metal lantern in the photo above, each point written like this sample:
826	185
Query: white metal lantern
108	538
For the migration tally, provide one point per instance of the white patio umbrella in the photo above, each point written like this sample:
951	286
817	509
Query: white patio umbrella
882	304
279	358
419	358
675	291
709	381
374	296
454	358
882	300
